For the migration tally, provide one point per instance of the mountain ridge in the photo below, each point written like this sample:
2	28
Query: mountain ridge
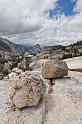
8	46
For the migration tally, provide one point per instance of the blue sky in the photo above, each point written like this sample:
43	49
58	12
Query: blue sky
29	16
65	7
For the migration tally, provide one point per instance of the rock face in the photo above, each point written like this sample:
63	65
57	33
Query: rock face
37	64
74	63
28	92
54	69
64	104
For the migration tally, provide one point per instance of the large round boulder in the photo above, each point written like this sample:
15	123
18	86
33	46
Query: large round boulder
54	69
28	92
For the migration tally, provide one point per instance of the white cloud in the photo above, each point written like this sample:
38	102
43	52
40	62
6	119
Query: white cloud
79	6
18	16
28	15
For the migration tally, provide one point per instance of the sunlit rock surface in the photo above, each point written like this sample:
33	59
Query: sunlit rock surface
63	106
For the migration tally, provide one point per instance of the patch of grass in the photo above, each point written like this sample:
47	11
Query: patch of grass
78	69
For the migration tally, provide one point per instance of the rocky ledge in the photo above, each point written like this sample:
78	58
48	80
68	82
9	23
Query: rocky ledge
62	106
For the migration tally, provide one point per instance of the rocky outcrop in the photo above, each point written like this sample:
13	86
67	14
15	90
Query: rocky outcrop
74	63
64	104
37	64
28	92
54	69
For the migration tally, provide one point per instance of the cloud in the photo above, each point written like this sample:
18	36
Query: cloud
21	16
33	17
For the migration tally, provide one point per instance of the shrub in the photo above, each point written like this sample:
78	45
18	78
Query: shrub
5	72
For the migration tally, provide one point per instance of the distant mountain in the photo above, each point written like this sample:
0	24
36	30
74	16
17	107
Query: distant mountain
51	48
61	52
8	46
35	49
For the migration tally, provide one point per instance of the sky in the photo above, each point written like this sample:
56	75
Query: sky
47	22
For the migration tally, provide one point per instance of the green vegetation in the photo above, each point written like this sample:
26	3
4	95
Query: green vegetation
65	56
8	62
3	71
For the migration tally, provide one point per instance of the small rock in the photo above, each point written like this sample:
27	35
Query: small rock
28	92
17	71
54	69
